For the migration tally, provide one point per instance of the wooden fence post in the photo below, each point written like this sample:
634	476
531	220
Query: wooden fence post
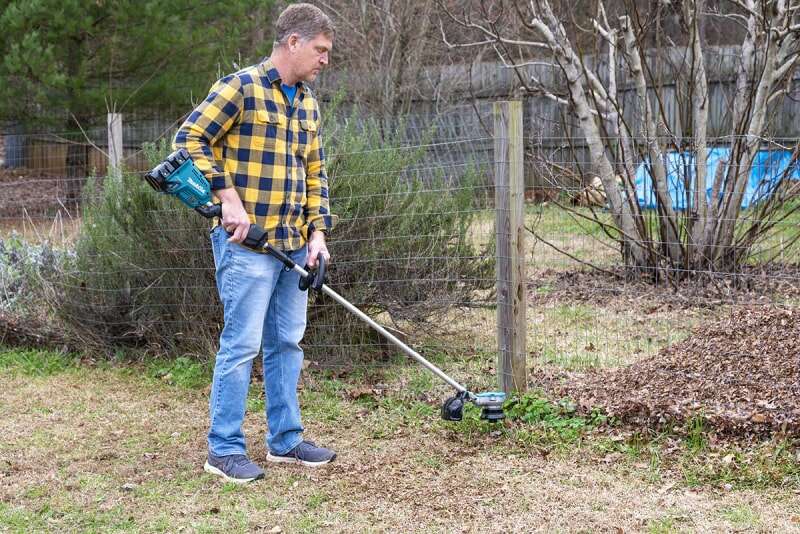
509	187
114	142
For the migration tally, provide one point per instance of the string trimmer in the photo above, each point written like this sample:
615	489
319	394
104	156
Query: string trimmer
178	176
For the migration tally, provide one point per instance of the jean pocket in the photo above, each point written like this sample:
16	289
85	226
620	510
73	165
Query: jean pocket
219	245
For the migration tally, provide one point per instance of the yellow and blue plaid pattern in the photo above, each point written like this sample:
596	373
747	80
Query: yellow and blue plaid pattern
245	135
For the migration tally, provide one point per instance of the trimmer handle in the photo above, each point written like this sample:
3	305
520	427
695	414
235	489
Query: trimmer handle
315	278
257	240
256	236
209	212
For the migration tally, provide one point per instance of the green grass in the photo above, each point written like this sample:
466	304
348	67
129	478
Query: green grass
741	517
581	336
35	362
418	449
664	525
551	220
181	371
587	241
771	464
19	520
534	422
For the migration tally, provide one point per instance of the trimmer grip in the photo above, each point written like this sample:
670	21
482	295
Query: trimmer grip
256	237
209	212
315	279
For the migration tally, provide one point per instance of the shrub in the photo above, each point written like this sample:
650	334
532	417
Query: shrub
402	249
27	294
143	271
143	268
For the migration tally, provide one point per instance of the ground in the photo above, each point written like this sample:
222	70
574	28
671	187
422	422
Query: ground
114	444
107	448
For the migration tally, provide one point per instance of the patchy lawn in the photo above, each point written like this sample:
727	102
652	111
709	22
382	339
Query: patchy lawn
98	449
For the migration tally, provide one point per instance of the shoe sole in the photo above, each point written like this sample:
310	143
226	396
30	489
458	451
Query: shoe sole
290	460
208	468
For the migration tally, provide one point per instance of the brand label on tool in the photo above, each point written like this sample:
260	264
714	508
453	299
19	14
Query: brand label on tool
195	184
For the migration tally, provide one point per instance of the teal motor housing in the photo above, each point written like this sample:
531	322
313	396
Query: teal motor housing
177	175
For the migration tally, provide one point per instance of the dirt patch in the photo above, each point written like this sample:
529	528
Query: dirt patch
741	373
30	194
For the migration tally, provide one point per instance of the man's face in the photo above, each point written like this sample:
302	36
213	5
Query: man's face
310	57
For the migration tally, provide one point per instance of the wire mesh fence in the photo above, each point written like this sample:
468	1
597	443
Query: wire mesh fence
594	303
413	246
416	245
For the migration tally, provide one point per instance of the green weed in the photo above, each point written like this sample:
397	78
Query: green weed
664	525
741	516
771	464
560	418
256	404
181	372
307	524
315	500
697	436
19	520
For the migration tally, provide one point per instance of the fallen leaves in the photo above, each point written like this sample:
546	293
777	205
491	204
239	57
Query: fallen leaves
739	374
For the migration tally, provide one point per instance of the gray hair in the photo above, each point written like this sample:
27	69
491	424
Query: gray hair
306	20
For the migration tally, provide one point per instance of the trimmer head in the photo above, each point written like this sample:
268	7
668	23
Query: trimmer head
453	408
491	404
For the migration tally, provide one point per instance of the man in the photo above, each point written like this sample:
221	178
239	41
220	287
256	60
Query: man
256	138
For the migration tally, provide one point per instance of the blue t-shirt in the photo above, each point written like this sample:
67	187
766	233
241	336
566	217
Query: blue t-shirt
290	91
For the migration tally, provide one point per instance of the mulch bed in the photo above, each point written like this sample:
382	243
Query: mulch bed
751	285
740	373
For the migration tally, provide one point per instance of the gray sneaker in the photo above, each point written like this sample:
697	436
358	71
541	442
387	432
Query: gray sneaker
306	453
234	468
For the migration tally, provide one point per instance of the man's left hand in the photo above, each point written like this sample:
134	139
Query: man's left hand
316	244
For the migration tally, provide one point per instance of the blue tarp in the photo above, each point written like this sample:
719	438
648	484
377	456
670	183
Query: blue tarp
769	167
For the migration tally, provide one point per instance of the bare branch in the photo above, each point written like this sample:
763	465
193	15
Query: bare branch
571	256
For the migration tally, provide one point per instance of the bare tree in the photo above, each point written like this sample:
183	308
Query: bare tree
712	233
382	48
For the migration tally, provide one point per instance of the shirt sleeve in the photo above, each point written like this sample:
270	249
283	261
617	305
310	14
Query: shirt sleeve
207	124
317	210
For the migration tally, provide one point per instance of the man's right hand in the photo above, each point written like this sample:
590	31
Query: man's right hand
234	218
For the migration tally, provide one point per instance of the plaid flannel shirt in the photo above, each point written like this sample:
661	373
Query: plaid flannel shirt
243	135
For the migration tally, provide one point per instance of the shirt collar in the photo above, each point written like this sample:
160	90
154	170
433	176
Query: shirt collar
267	69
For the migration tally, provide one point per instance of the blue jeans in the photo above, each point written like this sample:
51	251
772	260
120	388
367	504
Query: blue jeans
264	309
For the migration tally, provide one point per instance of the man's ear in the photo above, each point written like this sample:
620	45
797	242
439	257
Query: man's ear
292	41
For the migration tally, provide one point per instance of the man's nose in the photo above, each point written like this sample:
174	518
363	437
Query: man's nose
324	58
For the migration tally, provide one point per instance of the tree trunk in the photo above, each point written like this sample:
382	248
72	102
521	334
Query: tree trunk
751	120
699	91
668	222
634	252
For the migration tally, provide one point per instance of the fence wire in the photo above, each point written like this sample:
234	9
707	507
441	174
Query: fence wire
593	303
588	303
413	247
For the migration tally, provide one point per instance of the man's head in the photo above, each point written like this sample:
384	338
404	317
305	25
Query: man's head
303	40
